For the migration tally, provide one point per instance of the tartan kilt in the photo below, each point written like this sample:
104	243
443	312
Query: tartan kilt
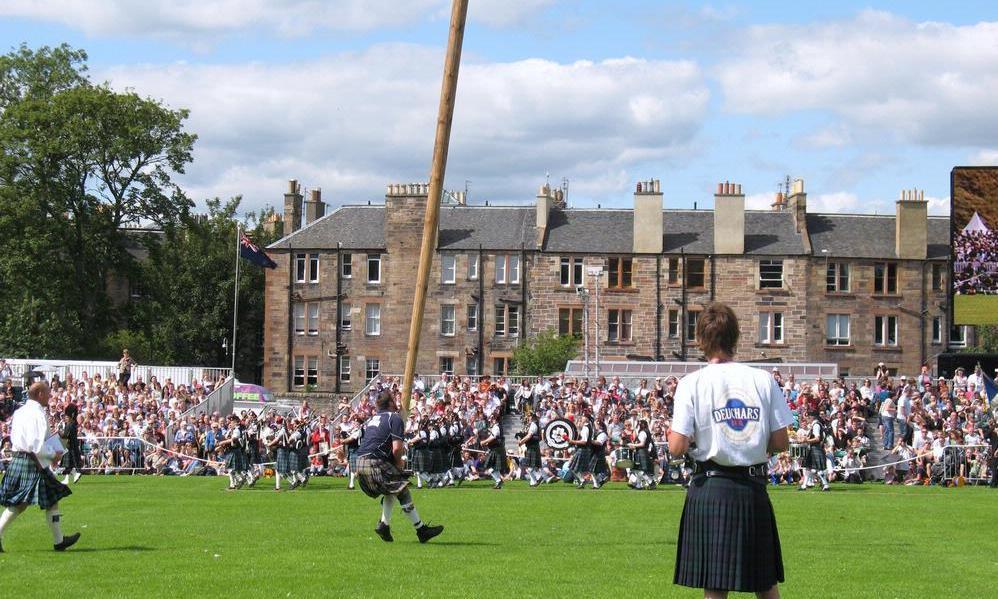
728	538
437	460
235	460
302	455
597	462
456	459
253	454
581	460
421	459
25	483
496	460
284	463
532	456
816	458
380	477
352	457
72	459
643	462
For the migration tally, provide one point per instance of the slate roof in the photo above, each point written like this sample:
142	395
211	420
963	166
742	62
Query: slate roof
611	231
868	236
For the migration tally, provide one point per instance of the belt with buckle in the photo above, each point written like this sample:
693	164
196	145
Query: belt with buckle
711	468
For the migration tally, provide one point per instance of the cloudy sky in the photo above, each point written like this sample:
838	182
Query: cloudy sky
860	102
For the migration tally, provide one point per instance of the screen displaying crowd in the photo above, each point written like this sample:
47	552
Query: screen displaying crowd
929	430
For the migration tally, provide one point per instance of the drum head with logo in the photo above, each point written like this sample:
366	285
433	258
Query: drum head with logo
558	433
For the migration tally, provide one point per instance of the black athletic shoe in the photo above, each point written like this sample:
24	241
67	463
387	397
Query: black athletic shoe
385	532
425	532
497	486
67	542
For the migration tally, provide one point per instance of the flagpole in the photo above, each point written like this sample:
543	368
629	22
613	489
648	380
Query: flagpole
235	304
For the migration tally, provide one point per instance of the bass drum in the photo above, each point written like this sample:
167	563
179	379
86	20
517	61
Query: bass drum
558	433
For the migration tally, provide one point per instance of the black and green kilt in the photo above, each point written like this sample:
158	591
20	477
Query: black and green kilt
284	462
644	462
352	457
253	454
456	459
496	460
437	459
24	483
727	536
816	458
235	460
532	456
421	459
597	464
302	456
581	460
380	477
72	460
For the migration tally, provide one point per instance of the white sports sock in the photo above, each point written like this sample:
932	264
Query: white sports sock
496	476
387	504
352	476
419	480
52	516
411	513
9	515
232	479
277	480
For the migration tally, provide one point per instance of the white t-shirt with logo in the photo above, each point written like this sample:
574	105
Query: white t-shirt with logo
729	410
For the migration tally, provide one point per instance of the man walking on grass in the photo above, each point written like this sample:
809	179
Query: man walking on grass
27	481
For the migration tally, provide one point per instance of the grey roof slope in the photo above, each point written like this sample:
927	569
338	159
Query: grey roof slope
867	236
611	232
356	227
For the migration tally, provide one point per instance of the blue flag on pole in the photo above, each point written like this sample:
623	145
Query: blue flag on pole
990	388
249	251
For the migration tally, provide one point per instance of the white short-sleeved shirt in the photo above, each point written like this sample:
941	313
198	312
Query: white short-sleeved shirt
729	410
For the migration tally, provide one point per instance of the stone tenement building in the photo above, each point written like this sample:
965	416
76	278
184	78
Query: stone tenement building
850	289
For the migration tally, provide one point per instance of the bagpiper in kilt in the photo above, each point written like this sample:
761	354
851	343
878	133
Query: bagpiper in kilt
495	460
438	443
72	461
455	456
378	467
421	457
300	465
29	479
351	440
531	442
643	473
581	462
235	453
279	444
598	466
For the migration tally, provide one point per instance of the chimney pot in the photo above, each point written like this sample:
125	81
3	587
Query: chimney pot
720	188
292	186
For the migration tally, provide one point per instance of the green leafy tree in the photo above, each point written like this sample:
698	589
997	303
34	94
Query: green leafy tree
987	340
189	277
78	162
545	354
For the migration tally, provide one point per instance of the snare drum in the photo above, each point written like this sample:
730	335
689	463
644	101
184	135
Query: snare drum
625	458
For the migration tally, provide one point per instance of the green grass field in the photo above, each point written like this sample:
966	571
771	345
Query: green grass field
975	309
172	537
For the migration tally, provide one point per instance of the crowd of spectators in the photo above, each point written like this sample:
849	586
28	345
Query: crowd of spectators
915	419
975	264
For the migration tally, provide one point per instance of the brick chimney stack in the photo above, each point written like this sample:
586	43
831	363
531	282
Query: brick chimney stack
911	225
647	237
546	200
315	208
797	204
292	207
779	204
729	219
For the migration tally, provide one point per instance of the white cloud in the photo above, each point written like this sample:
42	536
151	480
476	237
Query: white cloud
760	201
987	157
190	19
938	206
930	83
839	201
353	122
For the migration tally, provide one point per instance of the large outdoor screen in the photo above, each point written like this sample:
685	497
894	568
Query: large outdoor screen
974	237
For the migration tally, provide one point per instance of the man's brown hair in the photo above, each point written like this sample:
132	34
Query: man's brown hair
717	330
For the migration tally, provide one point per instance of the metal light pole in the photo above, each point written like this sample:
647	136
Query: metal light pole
597	273
583	294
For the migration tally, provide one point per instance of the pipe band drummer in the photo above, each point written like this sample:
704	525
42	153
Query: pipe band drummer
730	418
